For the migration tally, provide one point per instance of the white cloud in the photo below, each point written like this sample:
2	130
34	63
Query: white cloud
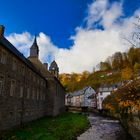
47	49
96	11
90	45
111	15
22	41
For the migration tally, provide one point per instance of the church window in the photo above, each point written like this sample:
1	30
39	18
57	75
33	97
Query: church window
23	70
33	94
42	82
41	96
37	94
44	97
28	93
12	87
38	81
30	75
2	57
21	91
33	78
1	84
14	65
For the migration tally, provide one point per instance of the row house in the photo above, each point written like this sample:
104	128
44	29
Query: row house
81	98
87	97
103	91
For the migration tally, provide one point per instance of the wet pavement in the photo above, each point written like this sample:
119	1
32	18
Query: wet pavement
103	128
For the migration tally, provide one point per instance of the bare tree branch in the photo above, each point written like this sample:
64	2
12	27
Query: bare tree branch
130	42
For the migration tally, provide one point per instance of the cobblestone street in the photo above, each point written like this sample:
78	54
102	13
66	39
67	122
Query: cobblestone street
103	129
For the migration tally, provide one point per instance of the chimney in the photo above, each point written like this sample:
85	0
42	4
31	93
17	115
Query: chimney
2	30
46	65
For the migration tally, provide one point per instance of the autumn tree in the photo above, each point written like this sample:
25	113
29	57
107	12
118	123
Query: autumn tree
117	62
134	56
126	62
104	66
127	73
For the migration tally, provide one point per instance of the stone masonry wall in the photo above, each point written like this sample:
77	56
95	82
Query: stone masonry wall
132	123
24	99
55	98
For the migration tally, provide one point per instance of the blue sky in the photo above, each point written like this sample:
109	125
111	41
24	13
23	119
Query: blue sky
65	27
56	18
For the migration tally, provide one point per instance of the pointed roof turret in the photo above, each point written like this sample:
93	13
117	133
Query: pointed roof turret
54	69
34	50
34	45
54	64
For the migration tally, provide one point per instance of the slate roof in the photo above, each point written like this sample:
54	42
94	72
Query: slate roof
109	88
53	66
80	92
34	45
12	49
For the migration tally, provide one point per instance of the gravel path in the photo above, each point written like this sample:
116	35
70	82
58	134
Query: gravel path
103	129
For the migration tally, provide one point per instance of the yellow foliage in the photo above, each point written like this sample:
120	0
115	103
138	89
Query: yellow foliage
127	73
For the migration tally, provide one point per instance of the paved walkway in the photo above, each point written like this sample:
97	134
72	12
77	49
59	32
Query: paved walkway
103	129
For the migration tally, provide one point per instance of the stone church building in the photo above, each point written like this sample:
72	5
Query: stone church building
28	90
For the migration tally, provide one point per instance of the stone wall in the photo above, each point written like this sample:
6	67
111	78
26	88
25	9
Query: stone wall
25	99
25	93
131	123
55	97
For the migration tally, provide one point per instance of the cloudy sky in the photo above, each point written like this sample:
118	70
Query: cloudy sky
78	34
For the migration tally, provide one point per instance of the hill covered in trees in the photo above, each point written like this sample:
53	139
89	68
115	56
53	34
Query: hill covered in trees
119	67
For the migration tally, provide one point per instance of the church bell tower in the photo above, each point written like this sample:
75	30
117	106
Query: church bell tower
34	50
54	69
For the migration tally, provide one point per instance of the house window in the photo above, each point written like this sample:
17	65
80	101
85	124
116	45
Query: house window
12	87
1	84
102	99
21	91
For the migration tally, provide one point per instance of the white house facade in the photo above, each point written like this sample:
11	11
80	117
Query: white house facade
102	93
81	98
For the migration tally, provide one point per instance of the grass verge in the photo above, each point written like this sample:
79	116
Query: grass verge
64	127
